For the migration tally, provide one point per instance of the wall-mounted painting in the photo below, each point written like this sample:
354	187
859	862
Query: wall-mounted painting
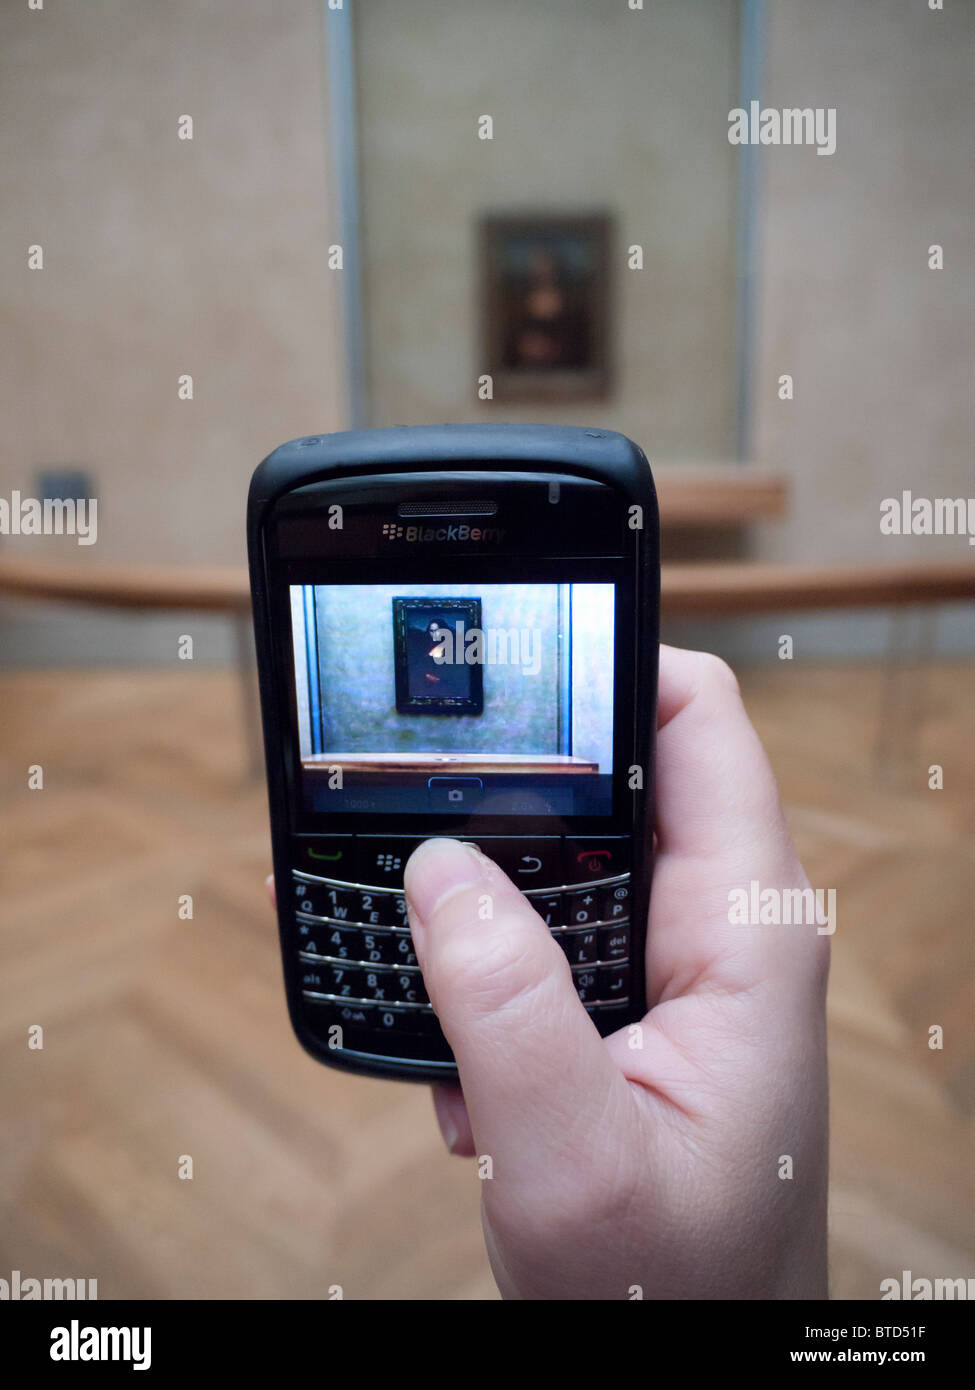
430	646
545	306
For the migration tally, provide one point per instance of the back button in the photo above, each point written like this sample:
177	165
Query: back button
530	861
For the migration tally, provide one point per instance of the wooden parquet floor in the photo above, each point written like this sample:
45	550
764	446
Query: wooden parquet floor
165	1037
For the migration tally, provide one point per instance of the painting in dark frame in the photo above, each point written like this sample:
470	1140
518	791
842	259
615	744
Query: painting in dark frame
545	305
425	682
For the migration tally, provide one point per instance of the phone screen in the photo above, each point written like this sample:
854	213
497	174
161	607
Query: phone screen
434	699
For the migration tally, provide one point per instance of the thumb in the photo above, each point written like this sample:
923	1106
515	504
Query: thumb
532	1064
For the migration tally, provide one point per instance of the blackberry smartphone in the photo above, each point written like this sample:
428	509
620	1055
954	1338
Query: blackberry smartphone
456	633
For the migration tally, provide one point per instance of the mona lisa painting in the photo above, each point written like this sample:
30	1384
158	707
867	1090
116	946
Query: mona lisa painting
545	292
433	674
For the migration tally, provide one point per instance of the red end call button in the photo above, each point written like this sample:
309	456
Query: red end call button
595	857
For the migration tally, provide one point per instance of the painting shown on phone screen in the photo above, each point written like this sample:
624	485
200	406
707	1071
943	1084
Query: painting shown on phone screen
432	639
520	677
546	306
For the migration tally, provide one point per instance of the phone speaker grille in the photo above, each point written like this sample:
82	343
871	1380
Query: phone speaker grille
474	507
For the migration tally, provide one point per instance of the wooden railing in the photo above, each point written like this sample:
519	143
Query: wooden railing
687	590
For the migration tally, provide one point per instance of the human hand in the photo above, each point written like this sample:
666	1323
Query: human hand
657	1167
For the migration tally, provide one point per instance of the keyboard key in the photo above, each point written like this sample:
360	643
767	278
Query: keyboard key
614	902
378	985
396	908
310	898
614	981
427	1023
320	900
586	983
313	977
339	903
375	910
356	1016
311	937
614	943
395	1020
581	908
345	982
403	952
592	857
409	988
339	942
579	946
376	948
549	909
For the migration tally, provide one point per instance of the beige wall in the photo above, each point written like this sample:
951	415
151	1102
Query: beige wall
881	347
595	106
164	257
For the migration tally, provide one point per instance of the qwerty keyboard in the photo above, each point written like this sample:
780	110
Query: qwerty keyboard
357	967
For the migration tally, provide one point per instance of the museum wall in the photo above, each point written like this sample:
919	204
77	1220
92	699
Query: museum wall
596	108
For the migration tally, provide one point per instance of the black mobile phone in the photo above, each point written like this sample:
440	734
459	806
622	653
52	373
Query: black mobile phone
457	631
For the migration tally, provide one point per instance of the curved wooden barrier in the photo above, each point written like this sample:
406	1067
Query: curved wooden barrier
741	588
213	589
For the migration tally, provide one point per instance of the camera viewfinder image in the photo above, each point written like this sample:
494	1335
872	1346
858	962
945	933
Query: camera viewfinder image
476	699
